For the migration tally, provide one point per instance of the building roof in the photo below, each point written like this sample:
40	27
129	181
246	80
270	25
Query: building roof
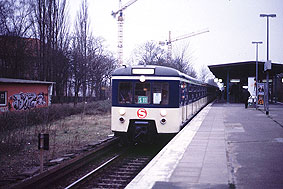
9	80
246	69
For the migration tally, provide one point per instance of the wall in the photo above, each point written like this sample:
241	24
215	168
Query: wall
24	96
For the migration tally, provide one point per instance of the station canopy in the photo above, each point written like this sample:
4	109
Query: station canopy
243	70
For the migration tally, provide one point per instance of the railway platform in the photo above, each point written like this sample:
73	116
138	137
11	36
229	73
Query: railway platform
224	146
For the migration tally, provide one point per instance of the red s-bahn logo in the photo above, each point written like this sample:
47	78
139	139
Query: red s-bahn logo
141	113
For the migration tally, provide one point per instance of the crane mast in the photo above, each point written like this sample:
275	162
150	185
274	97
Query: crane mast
170	40
120	28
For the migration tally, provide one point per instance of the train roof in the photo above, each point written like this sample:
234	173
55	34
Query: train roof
152	70
158	71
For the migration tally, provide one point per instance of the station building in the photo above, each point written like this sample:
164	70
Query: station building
235	77
19	94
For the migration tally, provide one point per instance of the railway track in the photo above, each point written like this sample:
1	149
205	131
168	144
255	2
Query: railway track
118	166
51	177
118	171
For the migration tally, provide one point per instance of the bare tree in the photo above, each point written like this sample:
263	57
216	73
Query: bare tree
50	25
79	50
78	64
204	74
182	60
16	49
14	18
150	53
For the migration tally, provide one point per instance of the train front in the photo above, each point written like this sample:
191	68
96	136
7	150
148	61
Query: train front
145	102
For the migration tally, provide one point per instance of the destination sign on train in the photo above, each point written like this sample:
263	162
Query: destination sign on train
146	71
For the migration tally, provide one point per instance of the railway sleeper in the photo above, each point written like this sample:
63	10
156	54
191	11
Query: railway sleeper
136	163
113	181
119	176
105	185
123	172
130	167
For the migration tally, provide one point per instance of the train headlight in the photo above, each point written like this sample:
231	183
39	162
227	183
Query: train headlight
122	111
163	121
121	119
142	78
163	113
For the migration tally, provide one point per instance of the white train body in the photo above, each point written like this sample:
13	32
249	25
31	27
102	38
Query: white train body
151	100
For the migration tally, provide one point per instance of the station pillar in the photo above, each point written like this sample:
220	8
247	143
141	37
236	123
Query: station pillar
227	86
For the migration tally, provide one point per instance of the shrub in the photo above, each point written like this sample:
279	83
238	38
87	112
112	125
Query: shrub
14	126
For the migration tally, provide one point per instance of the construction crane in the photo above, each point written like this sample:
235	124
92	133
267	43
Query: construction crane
170	41
120	28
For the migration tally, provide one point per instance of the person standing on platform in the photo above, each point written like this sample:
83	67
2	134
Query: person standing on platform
246	96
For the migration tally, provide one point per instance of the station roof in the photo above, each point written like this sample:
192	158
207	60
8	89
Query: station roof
9	80
246	69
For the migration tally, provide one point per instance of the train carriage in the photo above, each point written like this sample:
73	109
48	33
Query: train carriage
150	100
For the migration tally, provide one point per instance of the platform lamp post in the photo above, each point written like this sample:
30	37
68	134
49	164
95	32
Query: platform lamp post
267	62
256	69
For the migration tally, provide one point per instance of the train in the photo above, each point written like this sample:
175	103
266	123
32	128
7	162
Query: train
150	101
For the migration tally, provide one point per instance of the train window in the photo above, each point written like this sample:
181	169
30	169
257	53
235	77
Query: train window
187	94
125	93
160	93
193	93
142	93
190	92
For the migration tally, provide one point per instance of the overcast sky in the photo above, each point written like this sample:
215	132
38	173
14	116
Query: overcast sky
233	25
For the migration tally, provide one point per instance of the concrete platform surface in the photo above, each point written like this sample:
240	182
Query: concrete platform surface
224	146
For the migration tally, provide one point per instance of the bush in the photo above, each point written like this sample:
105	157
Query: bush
14	126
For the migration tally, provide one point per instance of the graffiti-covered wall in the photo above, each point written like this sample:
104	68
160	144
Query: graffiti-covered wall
16	97
24	101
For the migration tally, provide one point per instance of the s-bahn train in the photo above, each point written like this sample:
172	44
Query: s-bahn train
153	100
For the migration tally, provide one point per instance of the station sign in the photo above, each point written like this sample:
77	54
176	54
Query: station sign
267	65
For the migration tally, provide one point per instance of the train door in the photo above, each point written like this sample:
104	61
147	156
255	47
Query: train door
189	106
187	101
197	102
193	98
183	99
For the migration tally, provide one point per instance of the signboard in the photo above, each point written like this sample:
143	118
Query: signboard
141	113
156	98
260	93
142	100
267	65
252	86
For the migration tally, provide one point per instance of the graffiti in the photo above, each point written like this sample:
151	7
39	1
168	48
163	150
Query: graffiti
40	99
24	101
4	109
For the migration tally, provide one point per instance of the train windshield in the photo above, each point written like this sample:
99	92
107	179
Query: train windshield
144	93
160	93
125	93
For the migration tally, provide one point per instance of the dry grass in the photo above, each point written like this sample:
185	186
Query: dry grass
67	135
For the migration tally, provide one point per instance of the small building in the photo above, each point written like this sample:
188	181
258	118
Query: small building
19	94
